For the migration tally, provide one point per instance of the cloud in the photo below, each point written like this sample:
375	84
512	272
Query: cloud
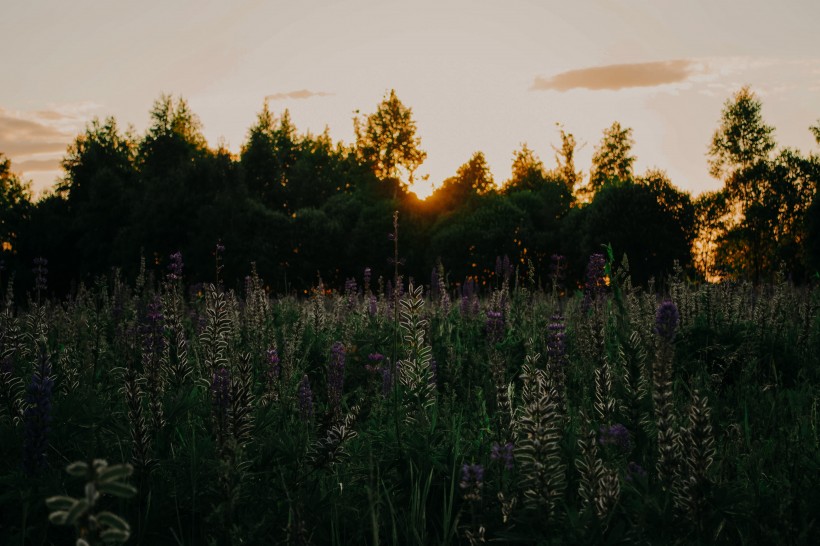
38	165
300	94
619	76
21	137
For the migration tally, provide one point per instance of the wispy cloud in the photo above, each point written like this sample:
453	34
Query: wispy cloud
619	76
300	94
38	165
21	137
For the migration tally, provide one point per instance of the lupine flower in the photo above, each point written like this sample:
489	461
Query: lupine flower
373	307
40	274
595	285
494	327
175	267
558	267
635	471
221	391
37	417
556	339
504	454
305	399
616	435
434	283
472	481
366	280
352	292
387	377
220	248
274	366
336	376
374	362
666	321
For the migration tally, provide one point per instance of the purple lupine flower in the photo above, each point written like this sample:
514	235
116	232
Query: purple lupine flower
634	471
220	248
666	321
504	454
40	274
472	481
374	362
494	327
556	339
151	329
305	399
507	268
336	377
274	367
175	267
373	307
367	280
616	435
37	417
595	285
352	292
221	391
558	267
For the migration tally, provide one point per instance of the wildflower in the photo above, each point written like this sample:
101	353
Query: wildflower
494	327
616	435
558	268
666	321
305	399
472	481
634	471
175	267
40	274
556	339
504	454
367	274
336	377
274	367
221	391
37	417
595	285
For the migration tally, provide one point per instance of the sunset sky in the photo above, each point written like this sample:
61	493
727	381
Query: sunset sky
479	75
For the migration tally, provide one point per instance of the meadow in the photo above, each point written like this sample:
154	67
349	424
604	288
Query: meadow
399	411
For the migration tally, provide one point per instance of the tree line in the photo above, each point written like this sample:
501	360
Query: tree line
298	207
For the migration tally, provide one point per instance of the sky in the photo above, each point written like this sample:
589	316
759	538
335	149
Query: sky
479	75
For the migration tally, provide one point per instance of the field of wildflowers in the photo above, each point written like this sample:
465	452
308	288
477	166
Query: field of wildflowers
157	412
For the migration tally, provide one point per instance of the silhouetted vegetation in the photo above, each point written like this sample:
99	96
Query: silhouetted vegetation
302	207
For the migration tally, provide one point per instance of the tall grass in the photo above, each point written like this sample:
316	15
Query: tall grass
606	414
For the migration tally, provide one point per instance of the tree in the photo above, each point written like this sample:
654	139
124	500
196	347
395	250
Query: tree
528	172
741	141
565	159
15	201
175	135
99	185
815	130
472	178
656	230
268	156
612	160
387	141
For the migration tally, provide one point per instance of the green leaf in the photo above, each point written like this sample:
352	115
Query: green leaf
77	468
113	521
60	502
58	517
75	512
115	472
118	489
114	536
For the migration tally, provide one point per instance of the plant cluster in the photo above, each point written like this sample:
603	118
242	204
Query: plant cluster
397	413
